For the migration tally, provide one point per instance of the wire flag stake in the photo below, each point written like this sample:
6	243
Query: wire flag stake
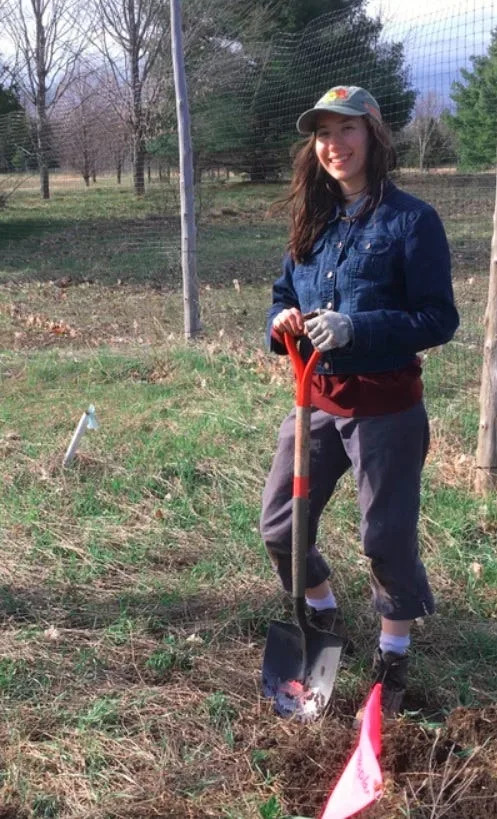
87	421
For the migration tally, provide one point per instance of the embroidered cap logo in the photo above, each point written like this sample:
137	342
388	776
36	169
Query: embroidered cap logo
336	93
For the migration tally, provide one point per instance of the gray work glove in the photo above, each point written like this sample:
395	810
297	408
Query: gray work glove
329	330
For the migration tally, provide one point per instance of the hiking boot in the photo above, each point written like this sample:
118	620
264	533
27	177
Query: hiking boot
331	620
390	669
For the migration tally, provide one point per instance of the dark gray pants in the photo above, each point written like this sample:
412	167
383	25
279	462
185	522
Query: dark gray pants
386	453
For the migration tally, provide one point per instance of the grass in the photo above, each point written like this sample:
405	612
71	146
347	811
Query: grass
135	595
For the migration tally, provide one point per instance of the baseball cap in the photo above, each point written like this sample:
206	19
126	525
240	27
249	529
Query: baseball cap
349	100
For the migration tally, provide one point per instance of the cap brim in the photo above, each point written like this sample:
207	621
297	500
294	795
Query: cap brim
306	123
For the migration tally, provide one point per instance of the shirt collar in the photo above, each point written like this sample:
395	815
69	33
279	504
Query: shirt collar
339	212
351	209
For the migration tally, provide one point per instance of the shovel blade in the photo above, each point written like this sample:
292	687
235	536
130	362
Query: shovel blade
298	687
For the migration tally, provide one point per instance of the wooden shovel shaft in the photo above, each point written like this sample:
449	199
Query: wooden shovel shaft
300	510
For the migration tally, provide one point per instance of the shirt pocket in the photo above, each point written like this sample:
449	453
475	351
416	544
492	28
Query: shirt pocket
372	246
372	265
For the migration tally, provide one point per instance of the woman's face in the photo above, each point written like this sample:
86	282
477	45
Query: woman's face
341	148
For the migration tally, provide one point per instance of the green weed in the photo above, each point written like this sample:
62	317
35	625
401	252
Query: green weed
20	681
173	655
221	714
103	714
46	807
271	809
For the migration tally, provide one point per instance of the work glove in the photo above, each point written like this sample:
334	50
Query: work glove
329	330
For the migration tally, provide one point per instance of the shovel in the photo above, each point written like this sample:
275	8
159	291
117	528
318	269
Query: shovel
300	662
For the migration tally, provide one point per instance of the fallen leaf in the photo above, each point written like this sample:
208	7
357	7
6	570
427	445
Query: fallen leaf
52	634
64	281
194	638
477	569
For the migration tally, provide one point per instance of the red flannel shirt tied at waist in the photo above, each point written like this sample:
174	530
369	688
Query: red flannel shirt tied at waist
359	395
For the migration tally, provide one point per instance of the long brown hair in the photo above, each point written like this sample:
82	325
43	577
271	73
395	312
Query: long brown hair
314	194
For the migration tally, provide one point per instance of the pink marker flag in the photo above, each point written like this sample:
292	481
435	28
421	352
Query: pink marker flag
362	780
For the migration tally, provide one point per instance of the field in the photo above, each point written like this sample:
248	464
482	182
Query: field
135	594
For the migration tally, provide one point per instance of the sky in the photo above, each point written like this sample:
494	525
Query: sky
439	36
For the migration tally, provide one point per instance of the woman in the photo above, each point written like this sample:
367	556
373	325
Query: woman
372	264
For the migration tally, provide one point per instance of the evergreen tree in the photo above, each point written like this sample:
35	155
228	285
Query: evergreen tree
9	100
262	19
246	89
247	121
475	120
15	135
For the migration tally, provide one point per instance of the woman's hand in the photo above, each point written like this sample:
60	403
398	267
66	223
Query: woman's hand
289	321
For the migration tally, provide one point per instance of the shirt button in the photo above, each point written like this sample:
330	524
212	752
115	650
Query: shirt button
329	306
329	275
367	245
326	365
340	244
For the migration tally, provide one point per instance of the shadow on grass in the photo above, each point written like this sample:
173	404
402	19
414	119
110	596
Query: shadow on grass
135	250
138	251
158	612
456	647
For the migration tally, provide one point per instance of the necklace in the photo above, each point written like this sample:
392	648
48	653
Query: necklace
355	193
343	213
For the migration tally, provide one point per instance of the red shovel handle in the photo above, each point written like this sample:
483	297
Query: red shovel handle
303	372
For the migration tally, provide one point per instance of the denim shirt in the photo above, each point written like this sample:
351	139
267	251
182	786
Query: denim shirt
389	270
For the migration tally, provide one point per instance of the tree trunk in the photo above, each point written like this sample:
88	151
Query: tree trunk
119	171
422	148
44	178
257	173
42	146
41	105
139	168
138	135
486	454
85	173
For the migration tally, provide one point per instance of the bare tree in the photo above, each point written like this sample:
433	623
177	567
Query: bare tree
77	124
89	135
47	49
133	32
427	131
116	138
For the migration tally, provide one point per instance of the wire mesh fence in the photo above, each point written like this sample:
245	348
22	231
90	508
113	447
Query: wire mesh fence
434	74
